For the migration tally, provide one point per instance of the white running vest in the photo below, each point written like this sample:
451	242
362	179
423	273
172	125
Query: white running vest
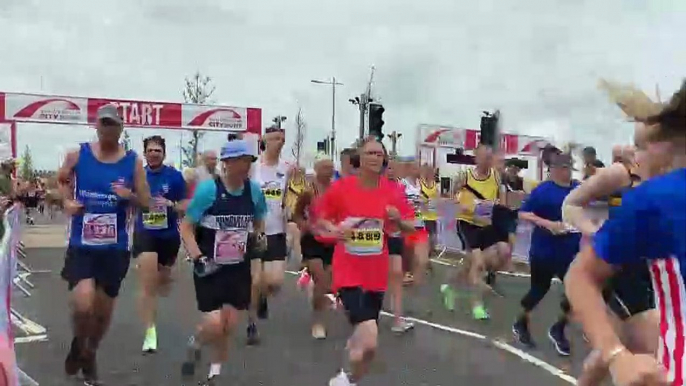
273	181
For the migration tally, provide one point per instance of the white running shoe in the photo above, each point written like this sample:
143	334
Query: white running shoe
318	332
340	380
402	325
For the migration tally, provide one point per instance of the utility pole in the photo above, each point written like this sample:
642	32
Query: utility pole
362	103
394	136
332	139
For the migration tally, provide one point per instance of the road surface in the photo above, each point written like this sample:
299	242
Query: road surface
440	350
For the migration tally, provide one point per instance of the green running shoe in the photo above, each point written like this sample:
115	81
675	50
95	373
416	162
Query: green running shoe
150	342
449	296
479	312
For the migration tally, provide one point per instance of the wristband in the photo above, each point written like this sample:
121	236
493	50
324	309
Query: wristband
614	354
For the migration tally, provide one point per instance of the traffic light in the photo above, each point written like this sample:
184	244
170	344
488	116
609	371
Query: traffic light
489	129
321	146
376	120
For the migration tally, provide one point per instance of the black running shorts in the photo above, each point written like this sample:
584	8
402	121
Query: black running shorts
167	248
313	249
276	248
229	286
396	246
361	305
108	267
630	291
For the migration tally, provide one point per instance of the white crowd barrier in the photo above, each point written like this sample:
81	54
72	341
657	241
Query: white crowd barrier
13	273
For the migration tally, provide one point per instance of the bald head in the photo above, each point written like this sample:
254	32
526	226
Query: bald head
209	159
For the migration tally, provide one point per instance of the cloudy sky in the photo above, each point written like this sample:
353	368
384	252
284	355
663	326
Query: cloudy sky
438	61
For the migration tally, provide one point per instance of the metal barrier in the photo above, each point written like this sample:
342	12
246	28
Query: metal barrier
13	274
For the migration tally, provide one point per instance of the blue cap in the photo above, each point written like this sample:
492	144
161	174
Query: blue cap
236	149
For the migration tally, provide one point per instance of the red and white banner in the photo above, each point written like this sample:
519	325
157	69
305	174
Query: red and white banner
16	107
469	139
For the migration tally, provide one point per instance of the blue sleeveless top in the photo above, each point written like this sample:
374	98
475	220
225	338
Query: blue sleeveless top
222	232
159	221
103	223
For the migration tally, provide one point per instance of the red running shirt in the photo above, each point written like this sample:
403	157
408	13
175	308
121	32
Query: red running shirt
362	260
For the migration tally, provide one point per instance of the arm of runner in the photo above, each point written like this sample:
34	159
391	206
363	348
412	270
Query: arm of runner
604	182
625	238
532	206
141	196
459	182
202	200
301	204
261	210
405	222
328	208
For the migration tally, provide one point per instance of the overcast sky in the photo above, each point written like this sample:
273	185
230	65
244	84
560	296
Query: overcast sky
437	61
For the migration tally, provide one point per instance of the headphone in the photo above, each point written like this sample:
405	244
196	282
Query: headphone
355	158
263	145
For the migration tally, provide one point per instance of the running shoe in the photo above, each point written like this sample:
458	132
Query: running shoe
150	341
520	329
210	381
402	325
253	335
90	370
193	355
72	364
318	332
408	278
341	379
479	312
556	333
449	296
263	309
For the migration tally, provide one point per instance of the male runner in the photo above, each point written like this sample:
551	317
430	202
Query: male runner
99	182
477	192
271	173
317	249
156	236
224	223
207	170
553	247
358	210
430	193
346	163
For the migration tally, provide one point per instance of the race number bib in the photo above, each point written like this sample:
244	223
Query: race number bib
418	219
366	238
99	229
483	210
156	218
230	246
274	196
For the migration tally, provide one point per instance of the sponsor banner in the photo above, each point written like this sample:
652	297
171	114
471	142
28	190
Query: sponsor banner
145	114
468	139
48	109
140	114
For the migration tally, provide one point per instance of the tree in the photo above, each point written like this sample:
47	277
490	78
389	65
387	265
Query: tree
198	90
300	128
26	172
126	141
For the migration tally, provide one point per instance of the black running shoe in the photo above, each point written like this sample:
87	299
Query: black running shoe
210	381
72	364
253	335
520	329
263	309
557	336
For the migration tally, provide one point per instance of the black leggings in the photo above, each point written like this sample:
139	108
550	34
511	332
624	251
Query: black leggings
542	273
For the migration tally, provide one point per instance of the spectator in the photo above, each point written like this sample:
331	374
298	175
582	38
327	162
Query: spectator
207	170
591	162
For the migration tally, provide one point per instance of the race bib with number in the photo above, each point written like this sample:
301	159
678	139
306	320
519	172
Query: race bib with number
483	210
156	218
99	229
366	238
273	195
230	246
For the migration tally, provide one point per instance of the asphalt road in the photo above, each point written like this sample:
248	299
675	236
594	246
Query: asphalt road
436	352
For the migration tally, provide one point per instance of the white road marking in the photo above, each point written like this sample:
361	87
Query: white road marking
31	339
504	273
28	326
495	342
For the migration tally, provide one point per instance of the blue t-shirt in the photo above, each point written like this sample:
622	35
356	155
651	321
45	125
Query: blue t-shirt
546	201
205	194
649	225
165	182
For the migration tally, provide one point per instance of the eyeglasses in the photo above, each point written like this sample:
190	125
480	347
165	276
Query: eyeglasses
377	153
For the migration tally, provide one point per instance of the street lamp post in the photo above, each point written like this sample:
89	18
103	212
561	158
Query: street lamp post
333	84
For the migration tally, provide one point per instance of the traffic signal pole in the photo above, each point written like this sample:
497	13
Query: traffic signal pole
363	111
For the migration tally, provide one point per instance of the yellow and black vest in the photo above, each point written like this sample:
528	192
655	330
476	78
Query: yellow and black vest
429	194
614	200
488	188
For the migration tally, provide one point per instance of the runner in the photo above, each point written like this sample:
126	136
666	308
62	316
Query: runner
478	189
430	194
224	223
361	207
296	185
629	293
649	227
271	173
346	163
317	250
156	237
553	247
99	182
